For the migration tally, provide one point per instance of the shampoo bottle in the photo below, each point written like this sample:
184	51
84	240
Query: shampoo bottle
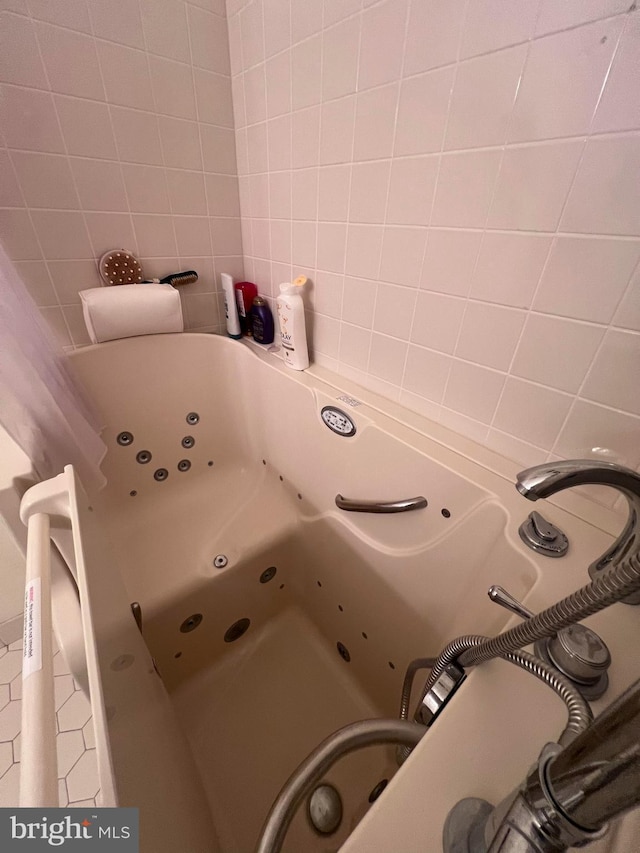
262	321
230	306
292	328
246	292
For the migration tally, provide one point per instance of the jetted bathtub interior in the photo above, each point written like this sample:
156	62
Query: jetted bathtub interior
273	617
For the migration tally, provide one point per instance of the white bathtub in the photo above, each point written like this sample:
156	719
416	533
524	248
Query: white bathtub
278	662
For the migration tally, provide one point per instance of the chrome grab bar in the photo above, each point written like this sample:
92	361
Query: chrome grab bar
352	505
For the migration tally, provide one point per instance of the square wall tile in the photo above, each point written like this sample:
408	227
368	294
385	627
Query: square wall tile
36	277
306	132
509	267
99	184
489	334
70	277
473	390
167	33
146	188
555	16
355	343
255	97
437	321
426	373
586	277
604	175
613	378
326	295
433	34
28	120
422	112
126	76
562	82
590	425
73	14
358	301
324	335
278	84
465	187
395	307
209	42
306	69
277	25
375	123
71	62
86	126
218	149
213	98
9	186
222	195
533	184
194	238
369	189
450	260
340	59
180	143
137	136
333	193
187	192
18	235
304	193
531	412
413	182
628	314
337	129
402	255
492	24
280	236
332	238
20	60
252	31
173	89
106	231
619	108
155	236
382	43
556	352
118	21
46	180
483	97
387	358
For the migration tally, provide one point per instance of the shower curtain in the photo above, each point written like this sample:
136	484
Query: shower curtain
42	405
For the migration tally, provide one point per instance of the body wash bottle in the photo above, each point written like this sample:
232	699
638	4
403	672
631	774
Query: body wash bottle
292	328
230	307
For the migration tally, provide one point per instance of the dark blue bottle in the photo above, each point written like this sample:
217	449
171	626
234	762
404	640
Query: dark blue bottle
262	321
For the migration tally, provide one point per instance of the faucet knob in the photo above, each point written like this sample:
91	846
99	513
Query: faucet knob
578	652
542	536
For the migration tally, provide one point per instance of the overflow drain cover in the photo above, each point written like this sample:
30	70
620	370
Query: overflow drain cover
236	630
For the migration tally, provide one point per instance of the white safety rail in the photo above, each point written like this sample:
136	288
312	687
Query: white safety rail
49	505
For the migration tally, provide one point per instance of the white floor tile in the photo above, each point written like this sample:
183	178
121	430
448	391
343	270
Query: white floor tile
10	720
82	781
70	746
74	713
63	690
6	758
15	688
10	787
10	666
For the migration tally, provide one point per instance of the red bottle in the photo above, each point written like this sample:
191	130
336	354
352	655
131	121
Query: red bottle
246	292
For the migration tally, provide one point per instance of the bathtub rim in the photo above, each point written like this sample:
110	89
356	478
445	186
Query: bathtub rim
411	427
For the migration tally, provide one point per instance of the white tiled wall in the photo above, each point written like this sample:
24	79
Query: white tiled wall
460	180
116	130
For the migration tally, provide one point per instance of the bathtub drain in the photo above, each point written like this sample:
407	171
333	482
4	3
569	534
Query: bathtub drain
325	809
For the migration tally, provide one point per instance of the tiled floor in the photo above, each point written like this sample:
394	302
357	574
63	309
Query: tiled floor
77	771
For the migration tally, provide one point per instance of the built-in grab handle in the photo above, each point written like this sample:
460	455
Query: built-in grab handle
351	505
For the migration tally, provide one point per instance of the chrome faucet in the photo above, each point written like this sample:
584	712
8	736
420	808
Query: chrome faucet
545	480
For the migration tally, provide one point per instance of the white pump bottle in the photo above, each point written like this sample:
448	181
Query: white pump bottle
292	328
